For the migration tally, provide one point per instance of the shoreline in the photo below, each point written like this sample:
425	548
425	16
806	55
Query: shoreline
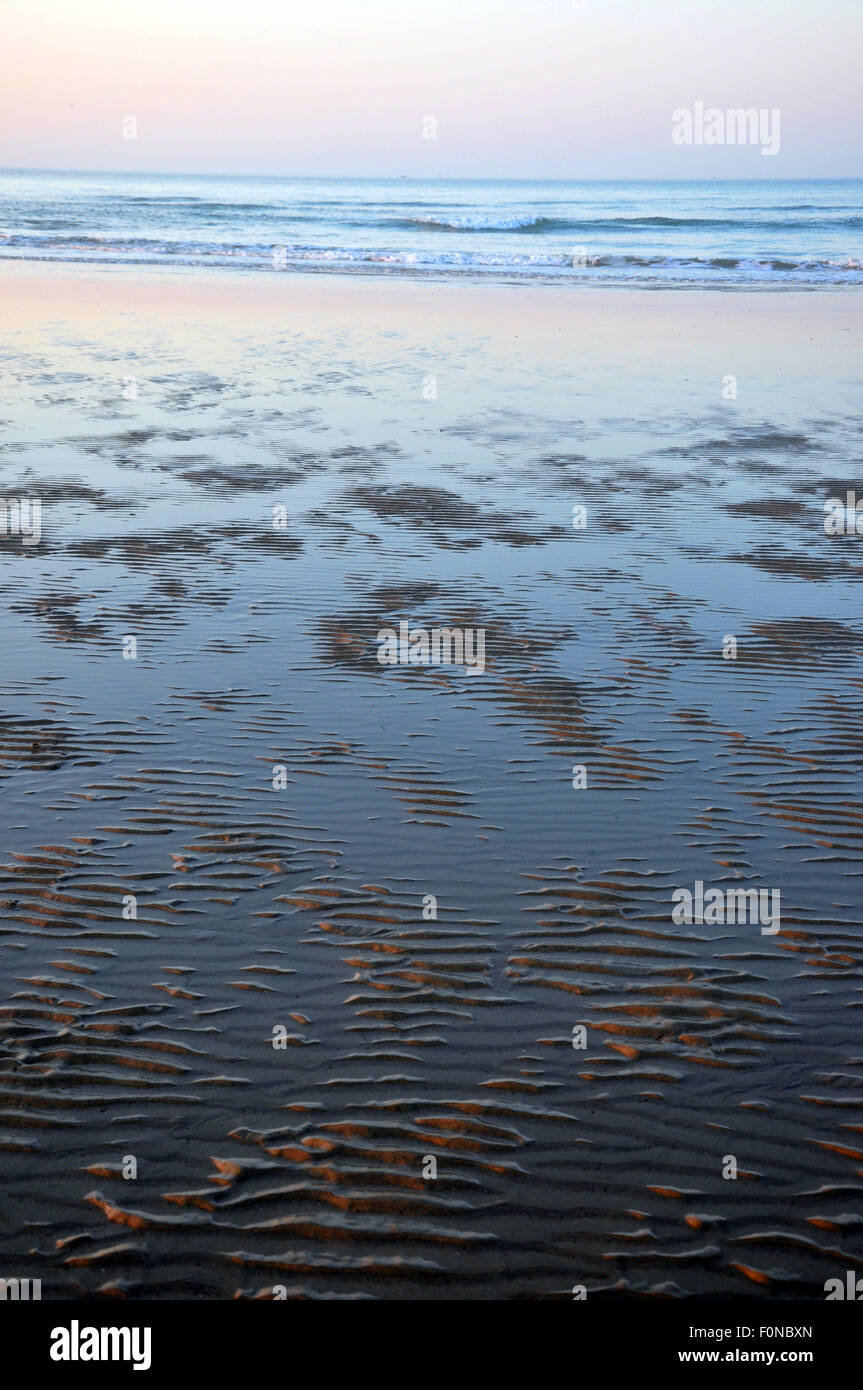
19	277
437	276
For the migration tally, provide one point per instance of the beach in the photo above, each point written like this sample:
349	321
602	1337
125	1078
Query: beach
350	979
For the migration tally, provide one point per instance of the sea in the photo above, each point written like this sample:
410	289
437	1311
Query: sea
785	233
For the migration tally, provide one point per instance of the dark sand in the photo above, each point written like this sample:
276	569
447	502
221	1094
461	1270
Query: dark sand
151	1037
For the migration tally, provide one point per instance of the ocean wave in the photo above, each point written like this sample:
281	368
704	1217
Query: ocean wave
482	222
537	222
548	263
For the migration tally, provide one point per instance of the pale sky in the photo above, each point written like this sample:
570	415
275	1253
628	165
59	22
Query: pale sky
518	88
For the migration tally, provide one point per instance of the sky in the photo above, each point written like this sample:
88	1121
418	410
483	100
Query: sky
515	88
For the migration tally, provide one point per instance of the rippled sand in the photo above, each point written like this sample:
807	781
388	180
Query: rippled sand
429	443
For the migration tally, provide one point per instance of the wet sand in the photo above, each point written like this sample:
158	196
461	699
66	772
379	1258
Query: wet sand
166	907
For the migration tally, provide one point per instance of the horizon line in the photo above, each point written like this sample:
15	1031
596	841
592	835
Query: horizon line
423	178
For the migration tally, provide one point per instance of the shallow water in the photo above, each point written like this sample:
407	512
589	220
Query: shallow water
445	502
